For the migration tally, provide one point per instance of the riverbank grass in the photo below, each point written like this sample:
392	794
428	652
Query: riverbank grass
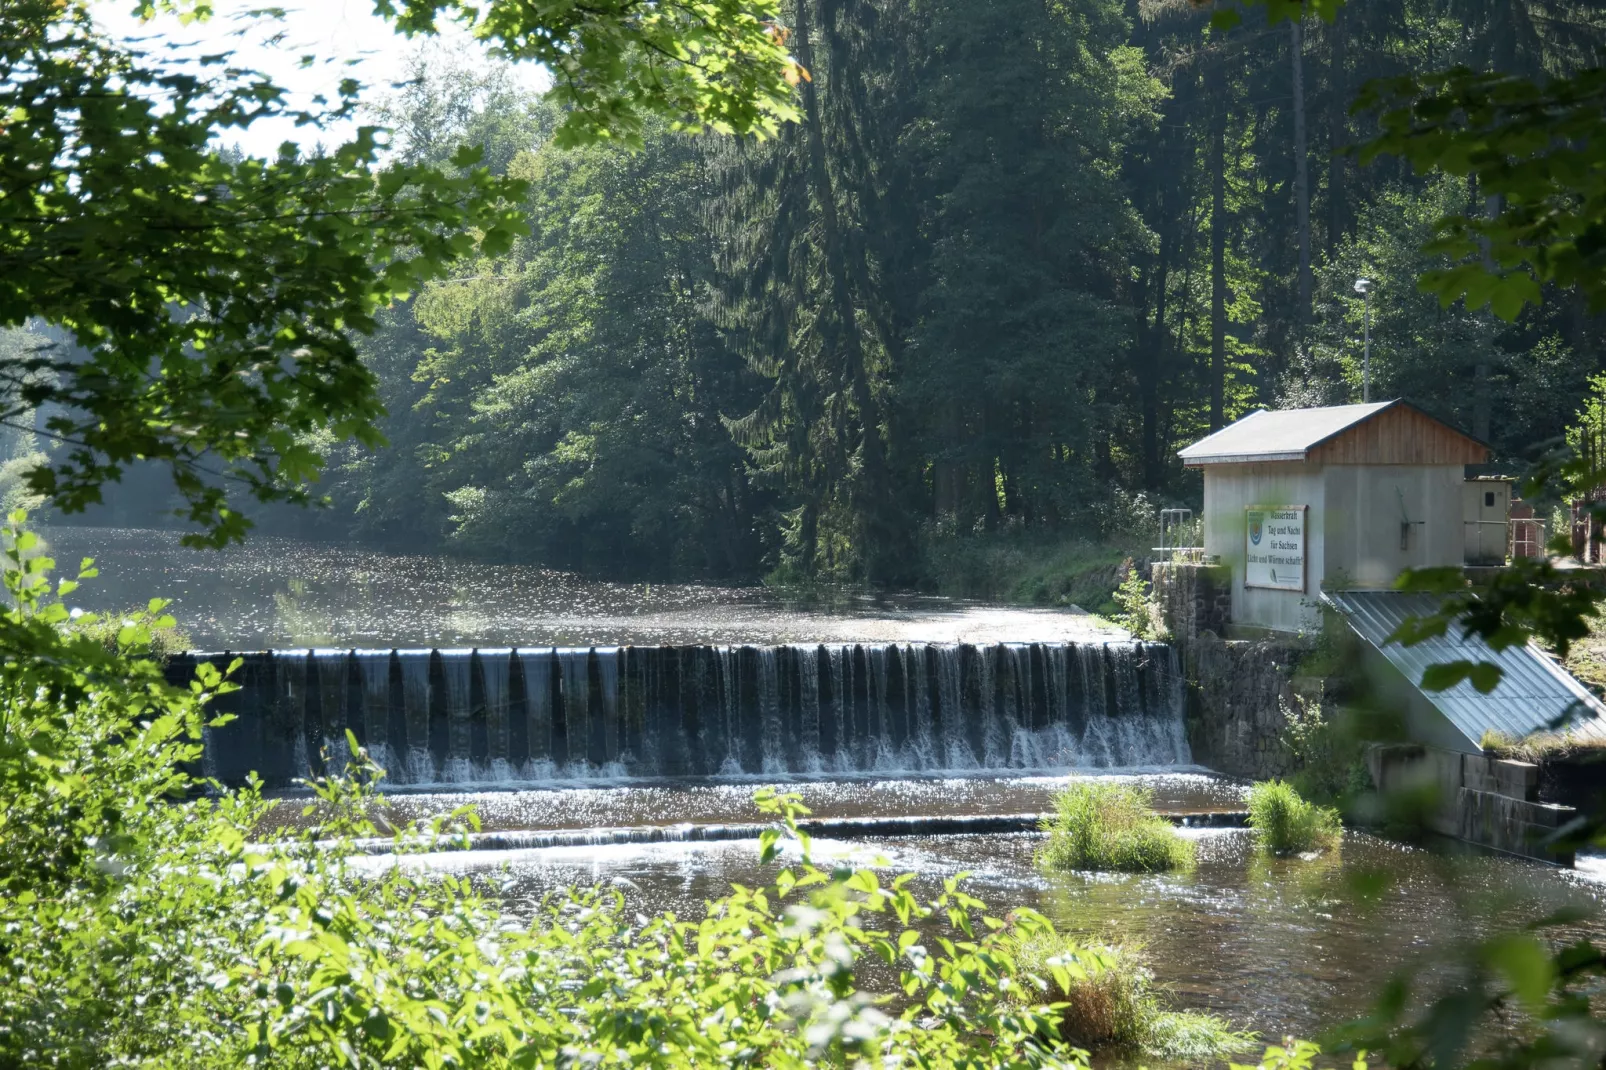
1111	827
1285	823
1110	1001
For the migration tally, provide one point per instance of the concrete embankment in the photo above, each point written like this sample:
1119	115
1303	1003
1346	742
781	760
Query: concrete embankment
1489	801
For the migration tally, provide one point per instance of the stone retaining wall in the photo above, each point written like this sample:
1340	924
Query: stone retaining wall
1238	697
1489	801
1238	691
1194	599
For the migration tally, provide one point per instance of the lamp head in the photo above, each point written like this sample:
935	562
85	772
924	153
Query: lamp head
1363	286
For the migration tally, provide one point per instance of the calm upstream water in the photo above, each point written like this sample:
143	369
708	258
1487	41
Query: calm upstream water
280	593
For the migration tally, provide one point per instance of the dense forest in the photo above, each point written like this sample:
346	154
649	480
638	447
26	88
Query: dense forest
1012	256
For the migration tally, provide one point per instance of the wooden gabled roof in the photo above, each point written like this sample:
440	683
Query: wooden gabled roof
1384	432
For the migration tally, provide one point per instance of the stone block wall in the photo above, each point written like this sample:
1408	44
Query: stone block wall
1576	780
1480	799
1510	825
1194	599
1239	694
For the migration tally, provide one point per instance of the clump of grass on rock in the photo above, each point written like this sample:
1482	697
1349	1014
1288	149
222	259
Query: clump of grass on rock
1285	823
1111	827
1111	1002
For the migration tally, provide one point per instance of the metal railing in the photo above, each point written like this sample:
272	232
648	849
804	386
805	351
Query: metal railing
1522	536
1184	555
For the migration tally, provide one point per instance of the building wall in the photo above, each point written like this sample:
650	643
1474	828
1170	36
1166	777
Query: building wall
1353	532
1369	507
1230	489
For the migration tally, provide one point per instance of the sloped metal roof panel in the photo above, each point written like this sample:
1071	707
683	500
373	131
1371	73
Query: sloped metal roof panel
1533	692
1282	435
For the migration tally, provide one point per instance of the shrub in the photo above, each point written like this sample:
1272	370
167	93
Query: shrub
1111	827
1104	997
1016	566
1284	823
1140	613
1328	749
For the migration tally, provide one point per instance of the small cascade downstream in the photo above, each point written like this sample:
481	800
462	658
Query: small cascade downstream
524	717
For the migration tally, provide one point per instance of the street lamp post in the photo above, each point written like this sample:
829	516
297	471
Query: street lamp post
1364	288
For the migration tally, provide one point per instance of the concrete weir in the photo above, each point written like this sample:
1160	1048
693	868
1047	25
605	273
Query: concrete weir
542	716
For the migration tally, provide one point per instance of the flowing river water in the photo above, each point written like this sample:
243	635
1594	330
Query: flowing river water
1281	946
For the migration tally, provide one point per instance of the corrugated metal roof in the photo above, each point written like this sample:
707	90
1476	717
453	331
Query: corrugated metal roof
1281	435
1533	692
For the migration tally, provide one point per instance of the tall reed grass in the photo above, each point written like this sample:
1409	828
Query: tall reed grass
1110	1001
1111	827
1286	823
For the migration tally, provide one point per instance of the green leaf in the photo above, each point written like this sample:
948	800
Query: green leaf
768	839
1526	966
1445	675
1485	676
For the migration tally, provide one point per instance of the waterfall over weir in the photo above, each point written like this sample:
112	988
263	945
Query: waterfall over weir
460	717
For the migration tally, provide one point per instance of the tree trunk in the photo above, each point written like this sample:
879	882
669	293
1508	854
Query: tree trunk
1301	169
1480	372
1149	381
1337	130
875	493
1218	247
944	471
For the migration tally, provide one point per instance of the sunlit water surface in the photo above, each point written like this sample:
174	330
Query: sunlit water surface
275	592
727	800
1279	946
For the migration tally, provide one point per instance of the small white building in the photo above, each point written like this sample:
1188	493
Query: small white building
1487	519
1341	497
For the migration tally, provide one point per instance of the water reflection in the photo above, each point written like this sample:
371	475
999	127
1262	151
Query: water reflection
277	592
1279	946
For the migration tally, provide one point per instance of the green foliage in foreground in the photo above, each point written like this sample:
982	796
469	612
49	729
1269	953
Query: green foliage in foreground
209	342
1298	1055
1285	823
1111	827
1113	1002
162	637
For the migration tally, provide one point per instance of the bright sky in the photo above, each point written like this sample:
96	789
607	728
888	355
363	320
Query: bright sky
345	36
